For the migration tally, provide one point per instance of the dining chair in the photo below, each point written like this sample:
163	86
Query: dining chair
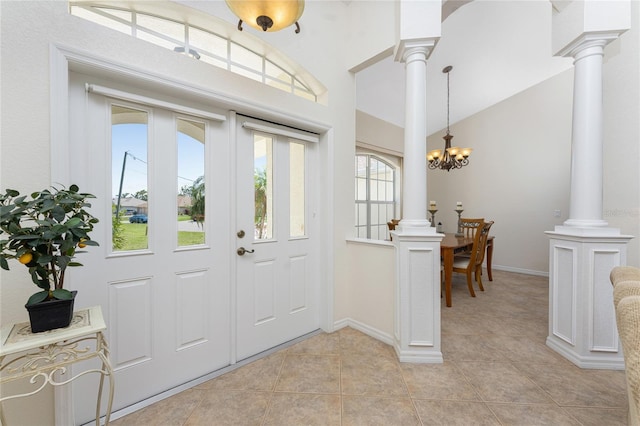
392	226
467	265
468	228
482	247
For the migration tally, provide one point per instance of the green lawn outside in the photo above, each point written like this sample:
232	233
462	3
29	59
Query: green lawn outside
135	237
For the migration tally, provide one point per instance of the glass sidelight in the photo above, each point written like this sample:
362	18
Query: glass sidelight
191	182
263	186
129	185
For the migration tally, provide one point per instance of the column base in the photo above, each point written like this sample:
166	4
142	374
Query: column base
417	296
416	227
582	321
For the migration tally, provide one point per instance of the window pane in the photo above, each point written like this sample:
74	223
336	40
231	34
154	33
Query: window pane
274	71
374	214
389	191
143	35
361	166
162	26
203	41
191	183
373	190
296	190
106	21
125	15
263	184
129	178
377	207
243	56
246	73
278	85
212	61
361	189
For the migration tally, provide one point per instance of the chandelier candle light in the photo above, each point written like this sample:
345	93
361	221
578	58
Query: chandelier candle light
451	157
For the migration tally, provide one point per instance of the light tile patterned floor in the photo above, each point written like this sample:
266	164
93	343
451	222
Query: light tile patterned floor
497	371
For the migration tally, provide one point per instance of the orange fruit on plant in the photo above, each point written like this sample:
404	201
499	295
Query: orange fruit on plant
25	258
81	244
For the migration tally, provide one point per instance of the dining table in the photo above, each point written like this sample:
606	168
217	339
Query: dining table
453	244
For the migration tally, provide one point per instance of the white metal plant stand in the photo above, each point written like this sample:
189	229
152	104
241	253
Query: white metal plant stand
40	356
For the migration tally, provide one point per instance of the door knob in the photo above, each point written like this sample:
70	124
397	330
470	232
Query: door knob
241	251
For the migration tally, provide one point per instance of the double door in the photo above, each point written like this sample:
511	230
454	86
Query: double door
173	192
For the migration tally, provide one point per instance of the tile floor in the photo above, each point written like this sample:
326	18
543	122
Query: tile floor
497	371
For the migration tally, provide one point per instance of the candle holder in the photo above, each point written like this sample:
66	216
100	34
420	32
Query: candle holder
433	215
459	233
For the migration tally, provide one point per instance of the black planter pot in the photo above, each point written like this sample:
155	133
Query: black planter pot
51	314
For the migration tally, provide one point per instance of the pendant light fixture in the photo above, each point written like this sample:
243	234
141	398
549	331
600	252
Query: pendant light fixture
451	157
267	15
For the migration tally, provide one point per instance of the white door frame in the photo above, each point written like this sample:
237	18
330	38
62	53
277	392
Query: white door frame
62	58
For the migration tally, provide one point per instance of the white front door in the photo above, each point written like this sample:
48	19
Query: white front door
162	279
277	275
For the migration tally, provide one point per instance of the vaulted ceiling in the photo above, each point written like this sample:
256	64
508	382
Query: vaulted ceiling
496	48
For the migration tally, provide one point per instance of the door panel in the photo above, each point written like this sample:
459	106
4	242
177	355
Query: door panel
165	290
277	287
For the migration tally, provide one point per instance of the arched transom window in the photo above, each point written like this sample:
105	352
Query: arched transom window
200	44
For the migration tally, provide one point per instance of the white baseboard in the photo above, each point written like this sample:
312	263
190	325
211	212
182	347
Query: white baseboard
611	361
519	270
366	329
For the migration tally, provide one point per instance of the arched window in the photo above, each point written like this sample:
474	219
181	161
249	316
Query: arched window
376	196
200	44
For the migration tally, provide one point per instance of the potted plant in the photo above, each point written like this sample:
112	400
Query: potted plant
43	232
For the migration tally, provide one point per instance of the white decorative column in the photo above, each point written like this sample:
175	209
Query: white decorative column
414	183
582	323
417	293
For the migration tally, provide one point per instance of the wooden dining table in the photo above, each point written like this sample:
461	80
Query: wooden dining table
452	245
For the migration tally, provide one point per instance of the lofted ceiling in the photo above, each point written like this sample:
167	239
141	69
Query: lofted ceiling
497	48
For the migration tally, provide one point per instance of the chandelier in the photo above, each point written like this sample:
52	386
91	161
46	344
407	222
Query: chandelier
267	15
451	157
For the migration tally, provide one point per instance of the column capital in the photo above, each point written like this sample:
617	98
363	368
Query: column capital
406	48
589	43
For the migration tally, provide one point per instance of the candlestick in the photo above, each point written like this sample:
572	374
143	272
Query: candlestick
459	210
433	215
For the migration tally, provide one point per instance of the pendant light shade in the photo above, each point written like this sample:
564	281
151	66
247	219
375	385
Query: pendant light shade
267	15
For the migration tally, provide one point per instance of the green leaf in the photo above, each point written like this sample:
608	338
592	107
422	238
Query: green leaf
58	213
44	259
24	237
74	222
4	264
38	297
74	188
47	205
62	294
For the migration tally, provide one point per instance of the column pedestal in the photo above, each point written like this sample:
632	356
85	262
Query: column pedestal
417	296
582	320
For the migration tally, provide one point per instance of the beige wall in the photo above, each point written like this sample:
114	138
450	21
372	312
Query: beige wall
518	173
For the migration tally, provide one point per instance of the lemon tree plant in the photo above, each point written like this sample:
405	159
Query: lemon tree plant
44	231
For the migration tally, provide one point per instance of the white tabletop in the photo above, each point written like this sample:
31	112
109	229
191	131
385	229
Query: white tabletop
18	337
